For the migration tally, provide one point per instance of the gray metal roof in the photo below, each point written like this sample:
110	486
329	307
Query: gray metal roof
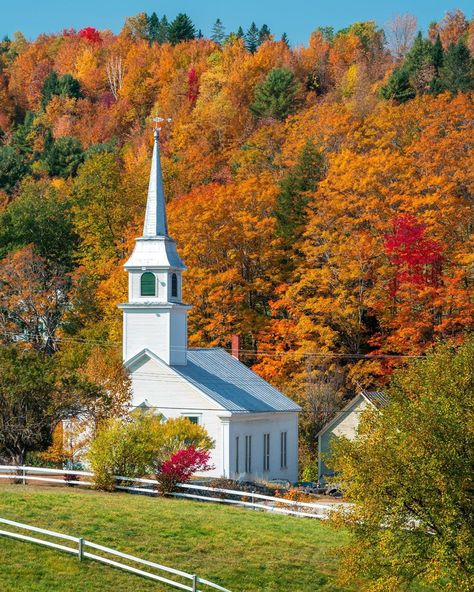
377	398
231	384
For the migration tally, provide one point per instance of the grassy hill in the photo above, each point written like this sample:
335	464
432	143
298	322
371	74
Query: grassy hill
242	550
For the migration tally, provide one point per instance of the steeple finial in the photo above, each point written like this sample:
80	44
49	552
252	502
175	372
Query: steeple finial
155	216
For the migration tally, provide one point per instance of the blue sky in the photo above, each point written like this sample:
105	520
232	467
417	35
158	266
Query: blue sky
296	17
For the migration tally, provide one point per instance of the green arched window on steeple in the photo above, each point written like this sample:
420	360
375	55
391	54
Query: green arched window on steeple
148	284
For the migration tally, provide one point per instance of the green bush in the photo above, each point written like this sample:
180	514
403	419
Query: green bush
135	447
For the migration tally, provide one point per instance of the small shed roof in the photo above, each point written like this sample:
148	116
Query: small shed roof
374	398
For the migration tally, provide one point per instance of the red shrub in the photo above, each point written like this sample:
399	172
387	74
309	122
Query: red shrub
181	466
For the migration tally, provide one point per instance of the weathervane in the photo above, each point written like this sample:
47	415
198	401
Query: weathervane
159	120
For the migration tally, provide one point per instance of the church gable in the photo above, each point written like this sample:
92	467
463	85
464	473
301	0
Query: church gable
156	385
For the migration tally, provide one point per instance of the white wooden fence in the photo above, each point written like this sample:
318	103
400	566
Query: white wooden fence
80	550
243	499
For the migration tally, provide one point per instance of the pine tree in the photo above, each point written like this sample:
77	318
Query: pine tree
181	29
218	32
438	59
292	201
457	73
416	75
162	35
264	34
275	96
285	40
252	38
438	53
50	88
240	33
398	86
153	25
68	86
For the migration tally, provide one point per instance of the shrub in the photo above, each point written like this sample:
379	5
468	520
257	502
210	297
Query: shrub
180	467
123	448
140	445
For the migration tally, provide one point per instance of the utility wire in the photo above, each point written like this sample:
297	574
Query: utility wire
245	352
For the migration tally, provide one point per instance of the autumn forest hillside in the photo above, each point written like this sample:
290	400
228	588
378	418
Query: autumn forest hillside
321	195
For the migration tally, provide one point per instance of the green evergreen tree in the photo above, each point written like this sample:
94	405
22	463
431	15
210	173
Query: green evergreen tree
438	54
438	59
292	200
153	26
240	33
64	157
398	86
276	95
181	29
162	34
68	86
50	88
252	38
264	34
420	55
12	168
414	74
457	73
21	139
199	35
218	32
285	40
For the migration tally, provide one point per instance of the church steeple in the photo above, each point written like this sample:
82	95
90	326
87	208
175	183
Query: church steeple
155	215
155	316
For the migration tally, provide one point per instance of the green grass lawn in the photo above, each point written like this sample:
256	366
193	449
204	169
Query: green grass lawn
243	550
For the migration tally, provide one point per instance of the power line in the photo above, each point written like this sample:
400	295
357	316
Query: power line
245	352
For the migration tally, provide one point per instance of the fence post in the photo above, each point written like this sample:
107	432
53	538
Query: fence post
80	552
24	476
195	581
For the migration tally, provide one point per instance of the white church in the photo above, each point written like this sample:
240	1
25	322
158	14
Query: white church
254	426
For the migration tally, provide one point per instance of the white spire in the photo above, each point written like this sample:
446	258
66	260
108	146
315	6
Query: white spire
155	216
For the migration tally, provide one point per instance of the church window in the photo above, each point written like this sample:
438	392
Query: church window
174	286
283	443
237	454
248	454
266	452
148	284
193	419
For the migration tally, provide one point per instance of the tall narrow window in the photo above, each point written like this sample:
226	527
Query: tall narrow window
248	454
148	284
174	286
237	470
266	452
283	438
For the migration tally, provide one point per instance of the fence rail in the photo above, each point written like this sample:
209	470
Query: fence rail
245	499
80	550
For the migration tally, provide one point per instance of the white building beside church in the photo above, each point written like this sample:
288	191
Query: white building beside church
255	427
